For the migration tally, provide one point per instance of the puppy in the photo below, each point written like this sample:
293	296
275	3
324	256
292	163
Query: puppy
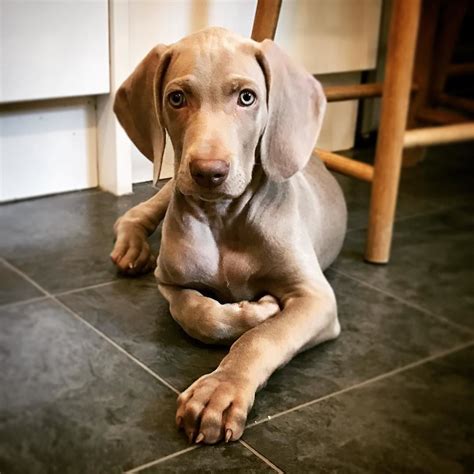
250	220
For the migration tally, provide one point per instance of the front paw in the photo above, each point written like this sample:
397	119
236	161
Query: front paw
215	408
131	253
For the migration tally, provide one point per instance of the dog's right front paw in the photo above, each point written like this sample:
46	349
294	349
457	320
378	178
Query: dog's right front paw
131	253
214	408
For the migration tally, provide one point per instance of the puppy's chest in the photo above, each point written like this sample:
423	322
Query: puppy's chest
201	259
237	267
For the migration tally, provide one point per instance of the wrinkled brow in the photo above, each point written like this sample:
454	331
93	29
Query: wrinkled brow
236	83
187	83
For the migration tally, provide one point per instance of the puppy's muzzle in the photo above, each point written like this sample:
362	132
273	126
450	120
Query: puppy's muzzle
209	173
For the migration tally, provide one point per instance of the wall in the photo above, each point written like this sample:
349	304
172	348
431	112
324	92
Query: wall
61	145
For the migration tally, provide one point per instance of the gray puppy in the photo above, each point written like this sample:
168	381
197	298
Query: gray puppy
250	221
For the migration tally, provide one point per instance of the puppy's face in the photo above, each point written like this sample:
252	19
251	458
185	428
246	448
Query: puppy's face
212	98
221	97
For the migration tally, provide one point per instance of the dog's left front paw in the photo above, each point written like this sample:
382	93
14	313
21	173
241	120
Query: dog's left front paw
215	408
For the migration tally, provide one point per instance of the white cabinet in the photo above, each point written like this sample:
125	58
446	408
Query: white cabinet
46	148
59	50
54	48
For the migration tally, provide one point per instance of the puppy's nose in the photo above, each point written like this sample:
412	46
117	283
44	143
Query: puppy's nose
209	173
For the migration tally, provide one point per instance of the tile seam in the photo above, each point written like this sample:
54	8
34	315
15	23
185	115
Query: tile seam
413	216
260	456
410	304
17	303
160	460
385	375
117	346
25	276
93	328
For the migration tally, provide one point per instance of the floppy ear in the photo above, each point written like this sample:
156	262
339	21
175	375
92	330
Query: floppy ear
296	106
137	108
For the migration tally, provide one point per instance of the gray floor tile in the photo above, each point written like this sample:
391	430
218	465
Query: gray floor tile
375	327
418	421
432	263
357	194
445	178
14	287
63	242
134	314
378	335
223	458
71	403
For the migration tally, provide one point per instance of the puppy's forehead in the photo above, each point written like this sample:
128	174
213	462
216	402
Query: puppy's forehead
212	54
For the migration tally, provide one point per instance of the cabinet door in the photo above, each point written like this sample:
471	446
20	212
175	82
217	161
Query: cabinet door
53	48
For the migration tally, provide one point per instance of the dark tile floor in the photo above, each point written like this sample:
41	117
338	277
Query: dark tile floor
91	362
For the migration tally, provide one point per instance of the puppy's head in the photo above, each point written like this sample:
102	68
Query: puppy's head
227	103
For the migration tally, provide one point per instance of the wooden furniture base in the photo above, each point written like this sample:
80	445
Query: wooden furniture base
393	137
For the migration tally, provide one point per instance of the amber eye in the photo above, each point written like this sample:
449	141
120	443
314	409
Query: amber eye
246	98
177	99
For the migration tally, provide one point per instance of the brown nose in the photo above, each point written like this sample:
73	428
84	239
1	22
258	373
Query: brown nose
209	173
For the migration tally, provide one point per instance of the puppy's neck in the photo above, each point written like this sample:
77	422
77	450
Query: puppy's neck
221	210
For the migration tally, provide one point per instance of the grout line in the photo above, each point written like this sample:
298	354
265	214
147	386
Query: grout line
29	300
445	208
261	456
47	293
442	208
160	460
25	276
117	346
367	382
440	318
84	288
192	448
97	331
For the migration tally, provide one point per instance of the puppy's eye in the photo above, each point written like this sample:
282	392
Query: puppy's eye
246	98
177	99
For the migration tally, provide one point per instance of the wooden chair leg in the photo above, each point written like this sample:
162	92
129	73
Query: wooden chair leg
266	19
394	111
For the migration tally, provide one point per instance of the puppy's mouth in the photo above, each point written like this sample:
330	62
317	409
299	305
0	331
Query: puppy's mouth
224	192
211	196
202	194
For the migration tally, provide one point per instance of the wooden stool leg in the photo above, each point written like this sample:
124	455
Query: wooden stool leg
266	19
394	110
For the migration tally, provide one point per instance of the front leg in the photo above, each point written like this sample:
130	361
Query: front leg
131	253
215	407
211	322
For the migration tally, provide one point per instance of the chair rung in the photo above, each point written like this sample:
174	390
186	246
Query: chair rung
356	91
437	135
466	105
440	116
461	69
346	166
